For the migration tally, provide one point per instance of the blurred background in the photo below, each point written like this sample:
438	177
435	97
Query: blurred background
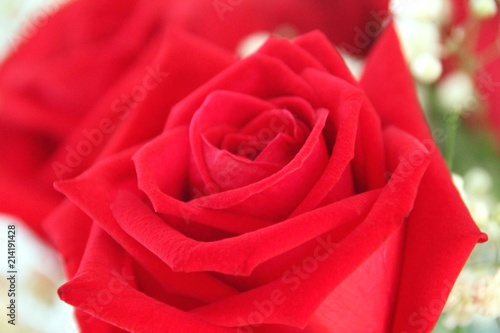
450	97
39	268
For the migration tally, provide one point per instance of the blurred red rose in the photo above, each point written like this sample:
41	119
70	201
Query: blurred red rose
482	48
50	92
352	25
488	73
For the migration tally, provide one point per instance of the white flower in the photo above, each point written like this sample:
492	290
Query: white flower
491	304
475	292
39	274
431	10
418	37
355	65
459	183
478	181
252	43
484	8
426	68
460	308
480	211
495	213
456	92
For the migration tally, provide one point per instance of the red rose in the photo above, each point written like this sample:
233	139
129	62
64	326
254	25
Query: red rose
488	73
88	64
282	196
352	25
50	89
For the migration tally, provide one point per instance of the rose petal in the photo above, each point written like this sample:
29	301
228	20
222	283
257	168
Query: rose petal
237	255
440	232
369	156
344	102
120	304
291	54
69	228
31	202
88	324
365	301
320	49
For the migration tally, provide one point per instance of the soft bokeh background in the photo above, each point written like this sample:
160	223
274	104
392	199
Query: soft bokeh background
39	273
474	305
39	268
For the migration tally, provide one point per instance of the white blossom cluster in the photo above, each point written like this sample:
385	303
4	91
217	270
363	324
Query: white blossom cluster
423	29
476	294
419	25
39	274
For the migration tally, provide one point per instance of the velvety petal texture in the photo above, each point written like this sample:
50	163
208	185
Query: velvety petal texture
281	196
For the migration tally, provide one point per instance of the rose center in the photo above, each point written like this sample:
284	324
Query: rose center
270	131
